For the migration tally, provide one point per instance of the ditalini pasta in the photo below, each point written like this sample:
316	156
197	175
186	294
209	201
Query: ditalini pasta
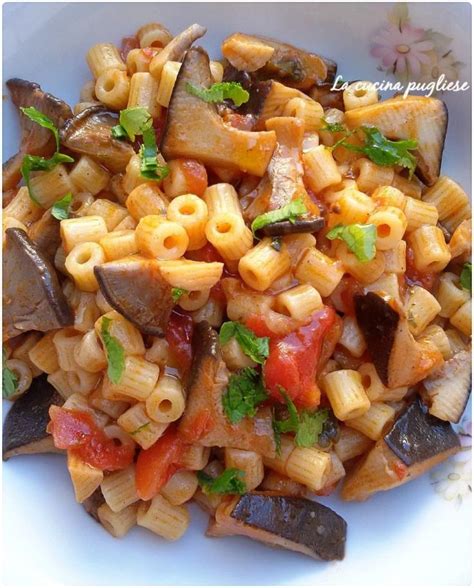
228	292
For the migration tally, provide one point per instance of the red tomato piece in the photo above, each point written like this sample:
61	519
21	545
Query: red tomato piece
77	432
179	334
158	463
195	174
199	426
294	358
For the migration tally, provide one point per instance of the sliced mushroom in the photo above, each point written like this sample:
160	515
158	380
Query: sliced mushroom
327	97
416	442
24	430
45	234
283	182
274	59
35	140
415	117
398	358
135	288
195	130
32	296
310	225
93	502
448	389
89	133
175	49
204	421
288	522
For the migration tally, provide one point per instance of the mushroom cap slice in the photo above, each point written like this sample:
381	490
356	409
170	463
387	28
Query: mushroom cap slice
288	522
204	421
24	430
305	225
416	442
89	133
415	117
32	295
135	288
35	140
398	358
448	389
195	130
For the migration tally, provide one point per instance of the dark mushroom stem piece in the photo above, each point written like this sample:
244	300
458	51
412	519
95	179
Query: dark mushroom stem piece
32	295
24	430
287	522
281	228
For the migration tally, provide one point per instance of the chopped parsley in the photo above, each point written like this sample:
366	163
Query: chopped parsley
61	208
33	163
257	348
114	351
176	293
133	121
360	239
335	127
149	166
466	276
229	482
141	428
41	119
291	212
220	92
244	393
9	378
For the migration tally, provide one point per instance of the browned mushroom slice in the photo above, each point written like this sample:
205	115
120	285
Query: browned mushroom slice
416	442
24	430
398	358
310	225
415	117
287	522
283	182
204	421
448	389
195	130
32	296
45	234
136	289
89	133
35	139
274	59
327	97
93	502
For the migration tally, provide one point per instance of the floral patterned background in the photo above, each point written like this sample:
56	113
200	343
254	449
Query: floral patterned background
409	52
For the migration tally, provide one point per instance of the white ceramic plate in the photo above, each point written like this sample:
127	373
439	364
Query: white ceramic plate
417	534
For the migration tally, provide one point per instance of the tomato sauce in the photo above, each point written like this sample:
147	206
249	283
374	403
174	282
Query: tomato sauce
179	334
413	277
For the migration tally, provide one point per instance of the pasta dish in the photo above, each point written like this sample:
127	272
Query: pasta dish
235	283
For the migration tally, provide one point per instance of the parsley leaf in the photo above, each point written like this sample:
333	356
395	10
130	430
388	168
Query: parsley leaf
9	378
41	119
36	163
383	151
307	425
257	348
333	127
141	428
61	208
176	293
466	276
289	212
244	393
229	482
114	351
133	121
220	92
149	166
360	239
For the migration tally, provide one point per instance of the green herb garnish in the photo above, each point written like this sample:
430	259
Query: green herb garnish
141	428
114	351
220	92
9	378
133	121
360	239
291	212
229	482
33	163
41	119
149	166
257	348
466	276
334	127
176	293
61	208
244	393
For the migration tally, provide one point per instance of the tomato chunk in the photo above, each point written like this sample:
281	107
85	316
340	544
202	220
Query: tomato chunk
415	278
158	463
294	358
77	432
179	334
